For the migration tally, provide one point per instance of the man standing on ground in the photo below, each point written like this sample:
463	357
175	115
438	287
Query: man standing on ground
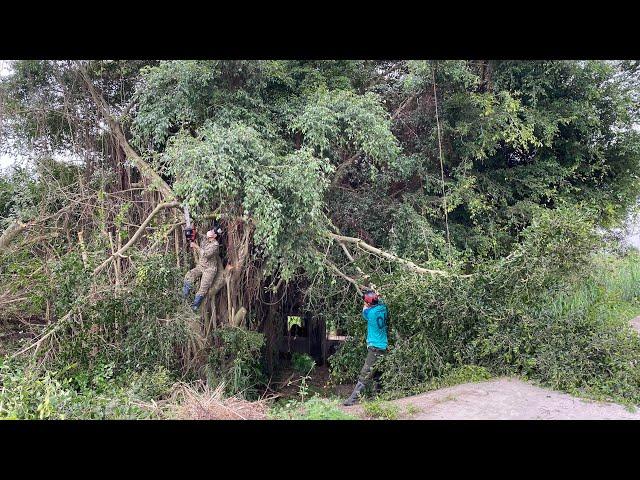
206	268
376	313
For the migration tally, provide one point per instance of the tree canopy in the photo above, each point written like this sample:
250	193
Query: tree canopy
326	175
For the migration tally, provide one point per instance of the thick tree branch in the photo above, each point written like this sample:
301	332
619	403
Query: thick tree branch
402	106
145	169
10	233
333	267
349	256
135	236
390	256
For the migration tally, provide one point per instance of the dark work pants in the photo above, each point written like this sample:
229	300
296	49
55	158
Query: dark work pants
370	371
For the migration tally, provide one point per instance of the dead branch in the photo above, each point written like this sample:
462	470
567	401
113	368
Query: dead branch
136	235
46	335
390	256
333	267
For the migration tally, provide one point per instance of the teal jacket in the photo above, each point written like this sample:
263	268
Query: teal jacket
376	318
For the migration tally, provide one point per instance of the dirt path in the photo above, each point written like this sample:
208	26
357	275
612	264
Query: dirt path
502	399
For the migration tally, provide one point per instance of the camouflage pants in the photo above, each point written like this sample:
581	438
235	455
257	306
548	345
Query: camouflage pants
207	274
369	371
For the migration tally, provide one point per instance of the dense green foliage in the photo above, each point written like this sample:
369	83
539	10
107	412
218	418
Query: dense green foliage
27	394
554	311
536	157
237	361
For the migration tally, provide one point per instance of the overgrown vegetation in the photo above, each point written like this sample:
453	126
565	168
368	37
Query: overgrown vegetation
315	408
325	176
29	394
302	363
381	410
236	361
565	327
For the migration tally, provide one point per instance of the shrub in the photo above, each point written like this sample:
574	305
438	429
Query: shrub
123	327
27	393
237	361
302	363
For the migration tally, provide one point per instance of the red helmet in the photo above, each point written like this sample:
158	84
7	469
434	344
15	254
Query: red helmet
370	297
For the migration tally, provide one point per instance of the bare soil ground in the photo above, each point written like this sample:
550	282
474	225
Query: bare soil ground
635	323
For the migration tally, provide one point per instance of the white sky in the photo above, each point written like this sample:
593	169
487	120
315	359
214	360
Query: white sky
5	160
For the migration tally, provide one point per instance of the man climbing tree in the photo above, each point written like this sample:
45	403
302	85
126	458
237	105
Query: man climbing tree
206	269
376	313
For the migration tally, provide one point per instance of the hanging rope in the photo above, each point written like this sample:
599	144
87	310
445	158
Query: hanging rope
444	194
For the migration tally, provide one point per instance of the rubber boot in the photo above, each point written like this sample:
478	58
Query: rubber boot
377	387
353	399
196	303
186	288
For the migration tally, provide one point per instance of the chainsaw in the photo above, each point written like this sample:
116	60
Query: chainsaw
190	232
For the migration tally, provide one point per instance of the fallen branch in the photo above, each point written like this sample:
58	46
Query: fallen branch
135	236
333	267
46	335
390	256
10	233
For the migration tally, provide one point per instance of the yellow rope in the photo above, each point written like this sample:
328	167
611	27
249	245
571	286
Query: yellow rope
444	195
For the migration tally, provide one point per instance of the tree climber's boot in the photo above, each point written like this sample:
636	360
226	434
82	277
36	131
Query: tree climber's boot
353	399
196	303
186	288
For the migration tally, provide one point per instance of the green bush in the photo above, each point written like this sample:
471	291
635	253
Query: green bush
22	274
125	327
302	363
27	393
236	360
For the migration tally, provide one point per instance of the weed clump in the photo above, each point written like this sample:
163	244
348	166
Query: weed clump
315	408
381	410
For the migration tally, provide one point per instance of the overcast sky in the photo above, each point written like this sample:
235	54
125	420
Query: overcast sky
5	160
